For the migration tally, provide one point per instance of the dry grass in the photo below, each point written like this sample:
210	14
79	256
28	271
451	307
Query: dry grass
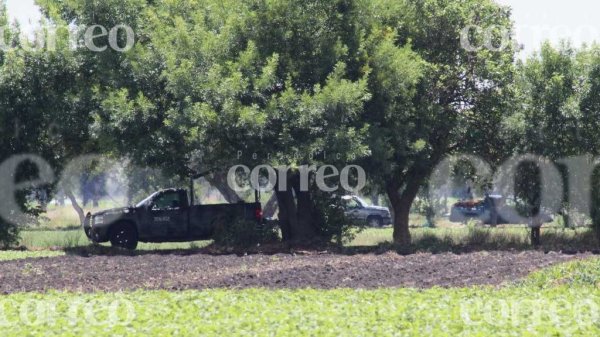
469	238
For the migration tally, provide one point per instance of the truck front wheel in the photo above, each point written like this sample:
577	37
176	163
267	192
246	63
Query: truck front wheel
124	235
374	221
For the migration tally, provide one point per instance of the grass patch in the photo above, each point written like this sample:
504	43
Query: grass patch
69	239
424	239
10	255
581	273
475	238
53	239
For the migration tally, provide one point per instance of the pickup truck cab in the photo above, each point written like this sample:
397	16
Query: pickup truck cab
165	216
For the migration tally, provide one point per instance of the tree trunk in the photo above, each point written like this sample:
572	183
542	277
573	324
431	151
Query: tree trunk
401	203
401	216
75	204
287	211
296	212
402	235
270	207
219	181
304	229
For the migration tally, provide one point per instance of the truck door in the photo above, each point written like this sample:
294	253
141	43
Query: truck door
354	210
168	218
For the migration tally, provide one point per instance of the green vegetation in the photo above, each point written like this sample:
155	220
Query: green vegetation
66	239
584	273
17	255
544	304
53	239
481	238
424	239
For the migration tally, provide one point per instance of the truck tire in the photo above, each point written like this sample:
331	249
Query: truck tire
535	236
123	235
88	233
374	221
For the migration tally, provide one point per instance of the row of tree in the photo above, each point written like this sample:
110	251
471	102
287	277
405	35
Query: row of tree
385	84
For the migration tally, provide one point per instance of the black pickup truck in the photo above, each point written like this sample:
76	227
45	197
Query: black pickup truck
165	216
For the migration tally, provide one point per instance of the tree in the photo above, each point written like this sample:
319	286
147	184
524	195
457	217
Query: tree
587	136
208	79
289	80
544	118
37	114
557	117
431	96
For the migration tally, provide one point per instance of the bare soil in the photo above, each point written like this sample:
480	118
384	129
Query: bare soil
307	270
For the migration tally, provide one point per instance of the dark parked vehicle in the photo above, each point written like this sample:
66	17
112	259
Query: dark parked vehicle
165	216
493	210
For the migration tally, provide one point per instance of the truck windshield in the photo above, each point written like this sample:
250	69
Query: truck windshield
361	202
146	201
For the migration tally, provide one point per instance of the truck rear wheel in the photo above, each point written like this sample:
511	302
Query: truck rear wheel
124	235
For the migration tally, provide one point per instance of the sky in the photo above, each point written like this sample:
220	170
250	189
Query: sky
536	20
23	11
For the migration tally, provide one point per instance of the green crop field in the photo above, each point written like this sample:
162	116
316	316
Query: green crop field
561	301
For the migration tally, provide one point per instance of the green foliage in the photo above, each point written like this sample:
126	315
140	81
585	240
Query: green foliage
216	77
27	110
583	273
9	234
556	116
18	255
331	220
426	206
547	96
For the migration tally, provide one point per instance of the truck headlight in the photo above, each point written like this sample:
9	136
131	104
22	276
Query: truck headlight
98	220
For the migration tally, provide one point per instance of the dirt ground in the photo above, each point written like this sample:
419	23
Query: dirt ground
313	270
